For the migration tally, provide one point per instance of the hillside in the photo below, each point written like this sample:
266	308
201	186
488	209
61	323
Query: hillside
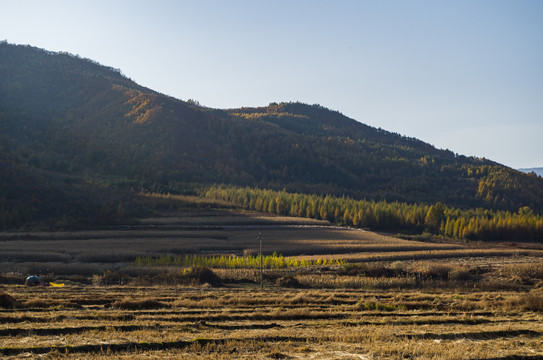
66	120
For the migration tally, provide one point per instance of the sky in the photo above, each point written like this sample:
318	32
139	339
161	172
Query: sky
463	75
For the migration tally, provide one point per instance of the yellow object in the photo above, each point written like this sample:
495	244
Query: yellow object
57	285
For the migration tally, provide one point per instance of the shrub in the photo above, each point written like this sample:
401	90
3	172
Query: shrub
109	277
202	275
288	281
524	271
398	266
7	301
460	275
436	272
532	301
353	269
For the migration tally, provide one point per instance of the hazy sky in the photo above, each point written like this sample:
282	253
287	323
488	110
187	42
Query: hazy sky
462	75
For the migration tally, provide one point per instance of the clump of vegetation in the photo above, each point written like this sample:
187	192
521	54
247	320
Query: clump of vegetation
531	301
201	275
288	281
436	271
447	272
109	277
530	273
7	301
461	274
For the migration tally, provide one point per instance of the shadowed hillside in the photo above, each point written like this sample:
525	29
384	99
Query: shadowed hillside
75	120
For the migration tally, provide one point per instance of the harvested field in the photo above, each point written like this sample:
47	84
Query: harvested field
224	232
388	298
275	323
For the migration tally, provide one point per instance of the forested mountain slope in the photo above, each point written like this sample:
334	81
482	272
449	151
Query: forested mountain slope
72	118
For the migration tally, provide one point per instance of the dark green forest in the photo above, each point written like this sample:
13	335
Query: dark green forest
70	125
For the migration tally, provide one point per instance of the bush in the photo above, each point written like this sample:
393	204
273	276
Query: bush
288	281
525	272
201	275
109	277
398	266
353	269
437	272
460	275
532	301
7	301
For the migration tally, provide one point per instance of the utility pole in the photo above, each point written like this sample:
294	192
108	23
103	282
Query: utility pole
261	262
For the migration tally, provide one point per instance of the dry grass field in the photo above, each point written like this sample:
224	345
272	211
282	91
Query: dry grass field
220	232
202	323
207	232
392	298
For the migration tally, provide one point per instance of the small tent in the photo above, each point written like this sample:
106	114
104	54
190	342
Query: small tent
32	281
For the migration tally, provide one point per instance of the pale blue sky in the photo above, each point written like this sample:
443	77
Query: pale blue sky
462	75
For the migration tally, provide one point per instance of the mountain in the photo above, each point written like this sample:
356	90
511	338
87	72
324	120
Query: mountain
537	171
67	121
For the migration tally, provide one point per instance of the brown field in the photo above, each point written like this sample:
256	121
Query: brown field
223	232
188	323
396	299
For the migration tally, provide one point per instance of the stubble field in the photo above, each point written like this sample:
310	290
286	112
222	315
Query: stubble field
389	298
134	322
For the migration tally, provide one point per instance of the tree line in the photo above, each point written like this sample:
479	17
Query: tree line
438	219
273	261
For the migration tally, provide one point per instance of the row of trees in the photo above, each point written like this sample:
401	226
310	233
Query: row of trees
14	218
273	261
473	224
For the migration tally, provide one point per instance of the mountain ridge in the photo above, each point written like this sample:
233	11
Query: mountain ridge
536	170
74	117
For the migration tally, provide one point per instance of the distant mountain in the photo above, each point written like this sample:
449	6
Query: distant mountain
538	171
66	120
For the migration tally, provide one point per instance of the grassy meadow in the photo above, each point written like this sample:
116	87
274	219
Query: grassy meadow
186	285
